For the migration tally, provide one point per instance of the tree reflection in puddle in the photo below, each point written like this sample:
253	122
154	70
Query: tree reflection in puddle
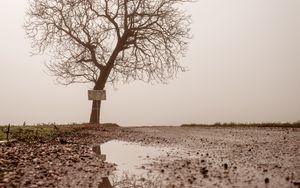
105	183
131	160
150	181
146	181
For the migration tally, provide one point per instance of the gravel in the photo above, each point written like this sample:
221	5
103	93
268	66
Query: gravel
202	157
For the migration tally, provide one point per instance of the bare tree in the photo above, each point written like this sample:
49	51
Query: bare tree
102	41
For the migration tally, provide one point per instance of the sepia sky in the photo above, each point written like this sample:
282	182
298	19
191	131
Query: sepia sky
243	66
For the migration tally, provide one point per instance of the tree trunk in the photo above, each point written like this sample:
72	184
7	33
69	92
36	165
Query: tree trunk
95	113
100	85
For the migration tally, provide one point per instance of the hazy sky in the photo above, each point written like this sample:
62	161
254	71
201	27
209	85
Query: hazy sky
244	66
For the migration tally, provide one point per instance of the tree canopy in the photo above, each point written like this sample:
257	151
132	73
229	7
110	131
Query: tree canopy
136	39
100	41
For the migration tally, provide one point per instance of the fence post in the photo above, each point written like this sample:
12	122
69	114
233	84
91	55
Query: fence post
7	132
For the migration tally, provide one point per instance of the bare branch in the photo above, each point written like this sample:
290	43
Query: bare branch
103	41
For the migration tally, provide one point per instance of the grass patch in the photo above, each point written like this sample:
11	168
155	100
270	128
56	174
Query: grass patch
45	132
35	132
29	133
282	125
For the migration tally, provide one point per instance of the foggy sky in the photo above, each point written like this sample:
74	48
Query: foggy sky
243	62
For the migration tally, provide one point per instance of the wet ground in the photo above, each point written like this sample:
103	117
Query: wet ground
158	157
223	157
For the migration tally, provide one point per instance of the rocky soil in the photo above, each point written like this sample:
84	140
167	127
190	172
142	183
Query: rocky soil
202	157
66	161
225	157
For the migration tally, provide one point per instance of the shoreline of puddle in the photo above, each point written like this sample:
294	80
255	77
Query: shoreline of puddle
133	161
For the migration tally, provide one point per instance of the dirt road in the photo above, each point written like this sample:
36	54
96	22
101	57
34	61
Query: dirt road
203	157
225	157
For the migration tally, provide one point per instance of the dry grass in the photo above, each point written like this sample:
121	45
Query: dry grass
46	131
282	125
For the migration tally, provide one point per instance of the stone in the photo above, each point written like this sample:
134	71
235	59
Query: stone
225	166
97	149
267	180
5	180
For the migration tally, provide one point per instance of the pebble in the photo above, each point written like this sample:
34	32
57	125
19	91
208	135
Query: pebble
267	180
225	166
5	180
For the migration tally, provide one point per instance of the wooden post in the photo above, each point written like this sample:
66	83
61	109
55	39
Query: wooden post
7	132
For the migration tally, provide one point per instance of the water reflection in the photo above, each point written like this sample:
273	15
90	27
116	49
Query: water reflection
105	183
131	158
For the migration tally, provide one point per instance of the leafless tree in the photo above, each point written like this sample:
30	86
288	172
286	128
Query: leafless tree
102	41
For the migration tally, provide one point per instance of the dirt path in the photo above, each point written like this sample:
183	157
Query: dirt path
205	157
226	157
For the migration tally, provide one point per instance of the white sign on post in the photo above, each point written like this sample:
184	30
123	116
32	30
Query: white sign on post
97	95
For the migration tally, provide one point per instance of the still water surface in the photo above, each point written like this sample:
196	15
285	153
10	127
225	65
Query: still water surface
131	158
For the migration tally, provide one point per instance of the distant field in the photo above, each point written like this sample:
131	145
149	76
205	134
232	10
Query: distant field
283	125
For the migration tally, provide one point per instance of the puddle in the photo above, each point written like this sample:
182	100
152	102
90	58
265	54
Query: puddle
132	158
136	165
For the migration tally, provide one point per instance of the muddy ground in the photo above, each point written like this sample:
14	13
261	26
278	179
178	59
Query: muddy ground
203	157
226	157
